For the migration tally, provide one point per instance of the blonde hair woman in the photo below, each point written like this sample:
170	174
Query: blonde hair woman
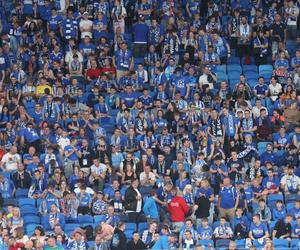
16	219
188	194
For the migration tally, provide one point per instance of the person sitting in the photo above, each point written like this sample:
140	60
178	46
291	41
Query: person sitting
258	230
283	228
223	231
54	217
278	212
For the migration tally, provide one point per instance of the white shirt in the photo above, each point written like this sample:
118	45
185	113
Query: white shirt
143	176
86	24
256	111
290	181
11	161
275	91
63	142
294	11
203	80
98	170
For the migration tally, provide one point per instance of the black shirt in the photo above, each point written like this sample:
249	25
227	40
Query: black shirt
282	228
203	207
21	179
278	29
131	245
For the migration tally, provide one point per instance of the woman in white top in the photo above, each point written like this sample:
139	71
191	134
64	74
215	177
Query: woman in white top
244	37
118	15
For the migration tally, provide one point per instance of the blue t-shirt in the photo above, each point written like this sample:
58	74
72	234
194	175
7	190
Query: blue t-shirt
284	140
181	85
129	99
30	135
85	200
54	22
205	233
140	31
261	89
228	197
278	214
72	157
258	231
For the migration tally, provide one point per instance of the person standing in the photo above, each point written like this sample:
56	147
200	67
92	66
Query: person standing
178	210
119	240
140	33
228	200
133	201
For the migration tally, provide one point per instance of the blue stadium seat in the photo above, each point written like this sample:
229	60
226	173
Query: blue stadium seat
142	226
234	68
30	229
233	60
295	244
85	219
222	243
266	75
265	67
222	77
130	226
22	193
128	233
234	74
249	68
206	243
99	218
250	75
274	197
221	68
26	201
31	219
28	210
69	228
240	243
280	243
291	198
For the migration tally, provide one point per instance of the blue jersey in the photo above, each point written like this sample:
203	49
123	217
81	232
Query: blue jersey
259	230
123	59
228	197
261	89
205	233
181	85
30	135
54	22
129	99
281	63
85	199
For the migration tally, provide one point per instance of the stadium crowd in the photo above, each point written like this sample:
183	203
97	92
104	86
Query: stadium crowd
149	124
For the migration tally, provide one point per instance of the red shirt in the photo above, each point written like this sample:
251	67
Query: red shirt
109	70
178	209
93	73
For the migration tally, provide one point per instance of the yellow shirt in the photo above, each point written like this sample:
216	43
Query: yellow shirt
40	89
